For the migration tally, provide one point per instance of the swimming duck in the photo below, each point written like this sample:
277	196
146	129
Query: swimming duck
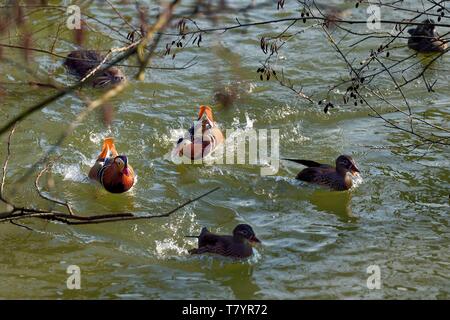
424	38
202	138
112	170
81	62
239	245
337	178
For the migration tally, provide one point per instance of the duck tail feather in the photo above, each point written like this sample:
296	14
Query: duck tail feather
204	230
307	163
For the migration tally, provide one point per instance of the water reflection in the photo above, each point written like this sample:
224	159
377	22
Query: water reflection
237	276
335	202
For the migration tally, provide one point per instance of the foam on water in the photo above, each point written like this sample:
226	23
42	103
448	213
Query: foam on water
357	180
98	137
168	247
71	172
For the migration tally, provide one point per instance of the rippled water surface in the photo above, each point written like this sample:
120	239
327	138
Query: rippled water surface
316	243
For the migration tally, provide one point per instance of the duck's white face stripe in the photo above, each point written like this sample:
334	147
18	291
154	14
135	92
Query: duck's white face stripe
210	122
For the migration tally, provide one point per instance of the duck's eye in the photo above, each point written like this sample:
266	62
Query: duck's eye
119	162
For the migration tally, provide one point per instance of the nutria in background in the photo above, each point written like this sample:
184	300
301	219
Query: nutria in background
81	62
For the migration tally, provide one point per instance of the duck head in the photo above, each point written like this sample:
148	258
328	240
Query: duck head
121	163
118	176
244	231
112	76
345	163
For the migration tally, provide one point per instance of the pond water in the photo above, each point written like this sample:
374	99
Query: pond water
316	244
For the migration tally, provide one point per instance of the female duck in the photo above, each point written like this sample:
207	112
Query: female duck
81	62
238	246
424	38
337	178
112	170
202	138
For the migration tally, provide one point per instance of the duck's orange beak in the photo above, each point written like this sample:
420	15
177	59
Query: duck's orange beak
208	111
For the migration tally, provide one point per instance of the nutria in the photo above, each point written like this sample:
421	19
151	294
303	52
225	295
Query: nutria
81	62
424	38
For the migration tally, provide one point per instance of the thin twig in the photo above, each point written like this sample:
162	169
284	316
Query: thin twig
21	225
44	196
27	213
5	167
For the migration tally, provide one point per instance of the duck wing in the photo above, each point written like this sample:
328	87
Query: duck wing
108	149
324	177
223	245
316	174
213	243
207	238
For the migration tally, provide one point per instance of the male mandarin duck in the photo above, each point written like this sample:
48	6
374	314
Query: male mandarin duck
239	245
202	138
424	38
81	62
112	170
337	178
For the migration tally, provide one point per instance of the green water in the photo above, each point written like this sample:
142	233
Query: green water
317	244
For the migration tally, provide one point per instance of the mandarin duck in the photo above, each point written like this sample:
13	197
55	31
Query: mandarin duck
338	178
238	245
424	38
202	138
112	170
81	62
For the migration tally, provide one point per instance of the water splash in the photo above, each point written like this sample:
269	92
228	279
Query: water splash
97	138
71	172
357	180
168	247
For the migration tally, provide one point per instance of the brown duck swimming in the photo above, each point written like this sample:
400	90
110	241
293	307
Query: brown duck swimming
238	246
112	170
81	62
424	38
337	178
